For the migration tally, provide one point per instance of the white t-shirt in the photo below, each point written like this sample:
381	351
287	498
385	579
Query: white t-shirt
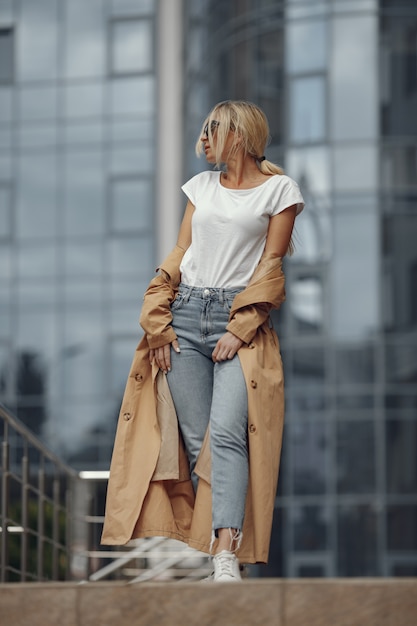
229	228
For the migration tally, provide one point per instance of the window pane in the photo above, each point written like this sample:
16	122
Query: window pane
84	100
5	261
131	256
355	457
131	46
357	541
35	293
84	39
121	355
311	36
83	259
310	528
39	136
6	55
81	291
402	527
37	44
37	103
84	194
6	104
131	7
355	365
310	449
307	302
353	93
132	96
401	451
131	202
36	260
307	109
5	212
36	196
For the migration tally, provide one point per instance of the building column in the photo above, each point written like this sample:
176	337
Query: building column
169	119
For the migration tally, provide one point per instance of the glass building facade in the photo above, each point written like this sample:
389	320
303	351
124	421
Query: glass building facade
338	81
79	168
77	163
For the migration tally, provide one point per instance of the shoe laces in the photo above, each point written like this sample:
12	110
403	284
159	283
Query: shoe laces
225	561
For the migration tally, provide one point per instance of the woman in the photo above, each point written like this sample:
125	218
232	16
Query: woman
208	334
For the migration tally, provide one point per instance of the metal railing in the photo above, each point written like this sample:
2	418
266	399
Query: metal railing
35	510
51	519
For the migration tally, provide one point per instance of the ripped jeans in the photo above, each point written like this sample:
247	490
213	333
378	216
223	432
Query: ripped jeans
206	392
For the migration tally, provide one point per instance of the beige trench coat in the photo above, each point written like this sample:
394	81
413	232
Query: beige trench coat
150	492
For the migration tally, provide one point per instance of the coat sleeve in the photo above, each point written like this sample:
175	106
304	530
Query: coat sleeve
246	321
265	291
156	317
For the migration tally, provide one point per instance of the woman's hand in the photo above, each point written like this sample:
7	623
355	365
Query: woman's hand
226	347
162	356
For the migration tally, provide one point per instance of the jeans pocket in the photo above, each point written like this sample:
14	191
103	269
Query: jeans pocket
227	303
178	301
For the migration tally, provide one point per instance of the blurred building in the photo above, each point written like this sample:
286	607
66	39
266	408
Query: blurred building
339	82
98	120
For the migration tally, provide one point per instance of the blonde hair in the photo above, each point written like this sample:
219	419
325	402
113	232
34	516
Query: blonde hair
251	130
250	127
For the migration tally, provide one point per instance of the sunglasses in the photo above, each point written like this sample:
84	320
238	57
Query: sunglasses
213	127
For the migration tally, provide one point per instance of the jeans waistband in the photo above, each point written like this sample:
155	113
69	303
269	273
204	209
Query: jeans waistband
212	293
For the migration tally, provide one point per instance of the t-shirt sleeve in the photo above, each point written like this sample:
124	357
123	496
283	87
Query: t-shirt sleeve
288	194
190	188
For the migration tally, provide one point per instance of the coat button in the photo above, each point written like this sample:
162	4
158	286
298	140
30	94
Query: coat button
252	428
126	416
139	378
253	384
251	345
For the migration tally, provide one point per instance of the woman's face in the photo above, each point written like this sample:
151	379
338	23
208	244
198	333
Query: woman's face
210	150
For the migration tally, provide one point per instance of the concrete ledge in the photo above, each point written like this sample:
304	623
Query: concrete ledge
303	602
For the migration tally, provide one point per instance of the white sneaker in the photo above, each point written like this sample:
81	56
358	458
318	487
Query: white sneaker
226	568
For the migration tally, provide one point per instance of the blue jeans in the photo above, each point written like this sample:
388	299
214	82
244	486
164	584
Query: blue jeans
206	392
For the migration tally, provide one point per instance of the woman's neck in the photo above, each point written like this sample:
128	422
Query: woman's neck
242	173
